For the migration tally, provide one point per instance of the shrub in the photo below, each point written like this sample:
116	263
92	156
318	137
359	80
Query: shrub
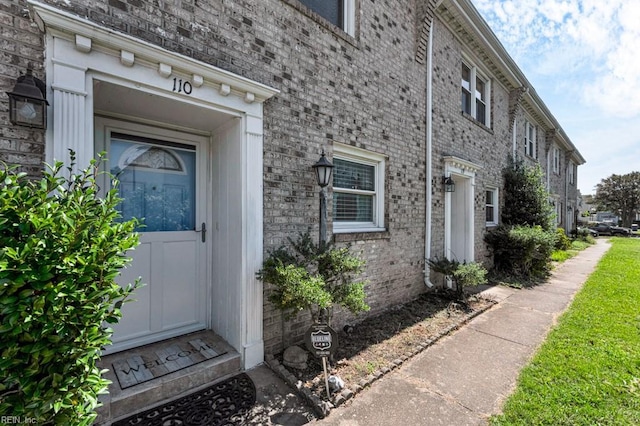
461	274
584	235
523	244
562	241
314	278
523	251
526	200
61	248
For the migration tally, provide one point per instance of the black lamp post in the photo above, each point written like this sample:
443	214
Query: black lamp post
27	105
323	169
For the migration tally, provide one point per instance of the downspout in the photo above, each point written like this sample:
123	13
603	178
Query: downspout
515	140
566	198
429	136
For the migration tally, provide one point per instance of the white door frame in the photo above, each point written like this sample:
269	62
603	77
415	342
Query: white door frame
463	173
79	51
148	318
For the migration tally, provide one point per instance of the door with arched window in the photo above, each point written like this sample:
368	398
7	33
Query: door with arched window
162	184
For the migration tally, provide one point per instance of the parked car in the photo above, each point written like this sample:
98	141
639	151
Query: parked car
634	227
610	229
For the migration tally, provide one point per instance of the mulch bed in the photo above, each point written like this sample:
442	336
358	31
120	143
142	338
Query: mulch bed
377	345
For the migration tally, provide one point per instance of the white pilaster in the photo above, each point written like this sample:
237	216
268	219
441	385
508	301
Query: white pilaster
253	212
70	129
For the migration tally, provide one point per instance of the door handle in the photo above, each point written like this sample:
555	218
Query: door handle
203	232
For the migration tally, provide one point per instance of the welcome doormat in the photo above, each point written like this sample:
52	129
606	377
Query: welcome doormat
225	403
145	366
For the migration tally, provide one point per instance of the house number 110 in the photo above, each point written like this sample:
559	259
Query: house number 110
180	86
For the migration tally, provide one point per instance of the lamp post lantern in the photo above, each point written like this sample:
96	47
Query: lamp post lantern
323	169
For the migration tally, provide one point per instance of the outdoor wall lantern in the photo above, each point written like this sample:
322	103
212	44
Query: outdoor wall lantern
323	169
27	103
449	184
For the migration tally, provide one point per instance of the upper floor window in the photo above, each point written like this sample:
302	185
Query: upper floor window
530	144
475	94
491	206
358	190
556	159
340	13
572	173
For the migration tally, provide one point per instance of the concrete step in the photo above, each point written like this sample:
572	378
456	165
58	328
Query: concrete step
147	376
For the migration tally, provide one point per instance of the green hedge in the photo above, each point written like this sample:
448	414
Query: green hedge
523	251
61	248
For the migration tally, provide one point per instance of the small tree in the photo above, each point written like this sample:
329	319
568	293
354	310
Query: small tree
61	248
526	200
620	194
314	278
523	243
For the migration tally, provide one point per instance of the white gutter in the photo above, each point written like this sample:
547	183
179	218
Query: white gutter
549	171
429	135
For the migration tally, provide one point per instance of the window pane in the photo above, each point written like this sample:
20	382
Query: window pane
157	183
480	112
466	77
489	197
466	101
331	10
489	211
348	174
352	207
480	89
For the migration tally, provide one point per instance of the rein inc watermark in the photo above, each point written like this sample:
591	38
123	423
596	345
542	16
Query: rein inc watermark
17	420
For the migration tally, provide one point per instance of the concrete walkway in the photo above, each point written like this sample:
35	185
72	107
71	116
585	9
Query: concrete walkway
464	378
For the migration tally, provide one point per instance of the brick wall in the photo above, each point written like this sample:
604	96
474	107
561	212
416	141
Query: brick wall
21	47
461	136
367	91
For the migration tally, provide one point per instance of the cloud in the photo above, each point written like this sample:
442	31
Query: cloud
589	46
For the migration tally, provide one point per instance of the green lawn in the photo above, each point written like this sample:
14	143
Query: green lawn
588	370
576	247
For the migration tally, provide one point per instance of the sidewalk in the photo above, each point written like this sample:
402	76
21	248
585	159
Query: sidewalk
464	378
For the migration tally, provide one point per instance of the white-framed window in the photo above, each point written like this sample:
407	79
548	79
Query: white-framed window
358	190
530	143
491	206
475	94
572	173
341	13
556	160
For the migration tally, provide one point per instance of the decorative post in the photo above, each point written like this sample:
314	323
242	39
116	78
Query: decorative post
323	169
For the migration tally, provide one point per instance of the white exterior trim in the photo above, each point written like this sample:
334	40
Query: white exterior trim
362	156
463	173
80	53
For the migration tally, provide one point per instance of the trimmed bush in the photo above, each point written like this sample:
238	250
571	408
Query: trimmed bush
522	251
61	248
314	278
462	275
562	241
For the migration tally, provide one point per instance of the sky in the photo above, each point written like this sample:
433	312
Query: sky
583	59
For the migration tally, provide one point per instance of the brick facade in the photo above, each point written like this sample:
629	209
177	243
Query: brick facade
21	47
367	91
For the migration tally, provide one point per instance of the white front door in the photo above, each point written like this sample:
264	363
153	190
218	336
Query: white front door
162	182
